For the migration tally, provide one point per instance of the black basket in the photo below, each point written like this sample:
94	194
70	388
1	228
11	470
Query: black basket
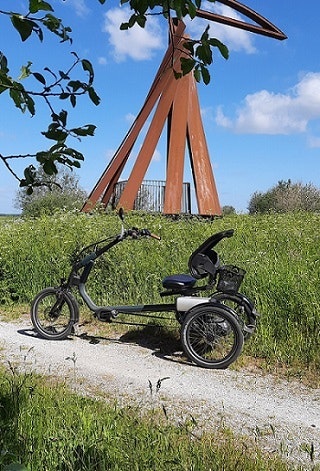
230	278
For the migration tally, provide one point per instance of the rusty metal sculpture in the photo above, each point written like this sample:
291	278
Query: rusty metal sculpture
178	106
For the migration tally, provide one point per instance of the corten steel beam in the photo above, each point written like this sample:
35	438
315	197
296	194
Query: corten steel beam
149	145
263	27
105	185
176	148
206	192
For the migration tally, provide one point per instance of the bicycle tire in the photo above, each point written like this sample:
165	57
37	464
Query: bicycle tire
54	313
244	309
211	336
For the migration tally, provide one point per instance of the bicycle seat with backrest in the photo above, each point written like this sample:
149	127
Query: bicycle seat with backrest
203	262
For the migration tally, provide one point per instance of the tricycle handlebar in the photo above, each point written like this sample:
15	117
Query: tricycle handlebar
134	233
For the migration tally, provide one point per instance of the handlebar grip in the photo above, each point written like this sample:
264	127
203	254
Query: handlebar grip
155	236
143	232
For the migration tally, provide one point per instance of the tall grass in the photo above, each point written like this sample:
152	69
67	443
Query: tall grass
47	428
279	252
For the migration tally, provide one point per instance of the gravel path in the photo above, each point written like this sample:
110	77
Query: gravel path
283	417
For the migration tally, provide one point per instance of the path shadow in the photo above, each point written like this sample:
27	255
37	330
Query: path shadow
163	343
31	332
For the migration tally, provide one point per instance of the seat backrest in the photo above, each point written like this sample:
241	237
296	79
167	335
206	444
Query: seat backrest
204	261
204	264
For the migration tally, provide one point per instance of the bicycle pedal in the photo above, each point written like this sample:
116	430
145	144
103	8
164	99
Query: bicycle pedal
107	316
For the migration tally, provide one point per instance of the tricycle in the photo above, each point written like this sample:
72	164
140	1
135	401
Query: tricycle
213	327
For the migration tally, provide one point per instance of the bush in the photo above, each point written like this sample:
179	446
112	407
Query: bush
285	197
61	191
226	210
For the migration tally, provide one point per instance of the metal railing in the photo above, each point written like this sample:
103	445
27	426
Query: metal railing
150	196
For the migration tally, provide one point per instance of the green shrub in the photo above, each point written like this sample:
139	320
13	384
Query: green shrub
286	197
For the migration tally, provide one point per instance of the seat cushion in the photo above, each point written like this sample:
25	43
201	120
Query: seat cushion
178	281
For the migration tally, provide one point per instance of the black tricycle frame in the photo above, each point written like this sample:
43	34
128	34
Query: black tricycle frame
212	328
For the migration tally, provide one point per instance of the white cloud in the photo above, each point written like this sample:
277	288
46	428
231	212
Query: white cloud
137	43
102	61
265	112
206	112
222	120
314	142
235	39
79	6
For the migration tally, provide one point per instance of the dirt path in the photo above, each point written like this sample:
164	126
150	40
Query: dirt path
283	417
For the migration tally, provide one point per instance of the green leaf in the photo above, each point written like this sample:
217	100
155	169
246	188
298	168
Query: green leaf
87	130
205	75
55	134
204	53
61	118
75	85
3	63
64	95
30	104
73	100
189	45
224	51
192	10
93	96
63	75
178	9
37	5
39	77
177	75
17	98
23	25
187	65
87	66
49	167
197	75
29	175
205	34
141	20
15	467
55	25
25	71
73	153
132	20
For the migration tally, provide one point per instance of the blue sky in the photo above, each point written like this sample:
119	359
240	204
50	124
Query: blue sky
261	111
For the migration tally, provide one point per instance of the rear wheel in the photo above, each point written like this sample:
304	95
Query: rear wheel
53	313
211	336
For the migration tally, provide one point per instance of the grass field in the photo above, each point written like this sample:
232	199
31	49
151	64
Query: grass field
278	252
47	428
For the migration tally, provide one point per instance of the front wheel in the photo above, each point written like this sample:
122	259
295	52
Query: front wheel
211	336
53	313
